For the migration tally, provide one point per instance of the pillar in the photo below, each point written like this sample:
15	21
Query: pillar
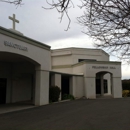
56	81
73	86
42	87
90	88
116	87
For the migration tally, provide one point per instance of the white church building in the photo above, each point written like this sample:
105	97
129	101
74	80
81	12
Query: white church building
28	68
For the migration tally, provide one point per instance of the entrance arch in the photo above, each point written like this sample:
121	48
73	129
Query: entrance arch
103	83
17	78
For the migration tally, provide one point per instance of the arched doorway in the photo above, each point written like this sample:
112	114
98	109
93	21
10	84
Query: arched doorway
17	78
103	84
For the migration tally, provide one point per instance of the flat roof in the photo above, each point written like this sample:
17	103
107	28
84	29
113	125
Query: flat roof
62	73
78	48
97	62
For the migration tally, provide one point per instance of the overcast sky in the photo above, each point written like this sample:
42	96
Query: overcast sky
44	26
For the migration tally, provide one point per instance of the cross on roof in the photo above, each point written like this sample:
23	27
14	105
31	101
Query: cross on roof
14	20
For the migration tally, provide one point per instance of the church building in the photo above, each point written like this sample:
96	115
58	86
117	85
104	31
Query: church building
28	68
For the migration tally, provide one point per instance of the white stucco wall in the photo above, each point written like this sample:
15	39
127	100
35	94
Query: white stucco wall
77	86
22	89
62	60
80	86
22	82
15	48
38	54
19	81
90	69
64	70
92	54
72	55
36	61
94	67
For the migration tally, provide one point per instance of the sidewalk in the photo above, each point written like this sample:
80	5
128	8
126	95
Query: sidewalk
5	108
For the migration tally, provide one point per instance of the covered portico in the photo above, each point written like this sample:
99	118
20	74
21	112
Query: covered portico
24	74
68	83
96	72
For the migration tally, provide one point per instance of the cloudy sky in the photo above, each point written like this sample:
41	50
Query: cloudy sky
44	26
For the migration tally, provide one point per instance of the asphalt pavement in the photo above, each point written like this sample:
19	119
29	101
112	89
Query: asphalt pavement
82	114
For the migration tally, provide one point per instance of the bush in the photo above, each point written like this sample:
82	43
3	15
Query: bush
126	93
68	96
126	84
54	93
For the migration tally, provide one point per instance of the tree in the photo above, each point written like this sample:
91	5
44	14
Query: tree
15	2
107	21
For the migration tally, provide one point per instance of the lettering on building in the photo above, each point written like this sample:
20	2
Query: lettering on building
103	67
16	46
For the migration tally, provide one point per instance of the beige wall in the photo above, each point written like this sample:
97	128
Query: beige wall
111	67
62	60
64	70
94	54
66	60
70	56
80	86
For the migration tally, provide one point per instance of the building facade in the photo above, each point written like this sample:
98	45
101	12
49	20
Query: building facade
101	77
28	68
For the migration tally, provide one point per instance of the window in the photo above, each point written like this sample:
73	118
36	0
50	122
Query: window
79	60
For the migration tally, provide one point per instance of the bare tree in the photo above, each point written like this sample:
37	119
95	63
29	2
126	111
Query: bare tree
62	7
15	2
107	21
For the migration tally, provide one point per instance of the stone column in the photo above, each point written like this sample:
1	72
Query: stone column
102	86
42	88
116	87
73	85
90	88
56	81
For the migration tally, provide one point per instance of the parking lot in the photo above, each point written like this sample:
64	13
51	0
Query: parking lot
82	114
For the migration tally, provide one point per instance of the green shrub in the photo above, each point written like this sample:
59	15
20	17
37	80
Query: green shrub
54	93
68	96
126	93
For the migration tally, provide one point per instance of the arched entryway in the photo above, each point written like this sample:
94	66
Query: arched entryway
103	84
17	78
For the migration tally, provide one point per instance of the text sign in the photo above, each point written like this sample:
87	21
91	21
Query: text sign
103	67
16	46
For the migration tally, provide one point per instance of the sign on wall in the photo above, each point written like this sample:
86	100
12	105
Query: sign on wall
103	67
16	46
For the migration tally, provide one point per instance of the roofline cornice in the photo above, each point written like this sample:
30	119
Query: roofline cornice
12	34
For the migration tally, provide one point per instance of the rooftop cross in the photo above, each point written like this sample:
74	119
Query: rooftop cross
14	20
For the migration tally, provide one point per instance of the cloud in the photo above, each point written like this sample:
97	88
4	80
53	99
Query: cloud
81	41
38	23
125	72
44	25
